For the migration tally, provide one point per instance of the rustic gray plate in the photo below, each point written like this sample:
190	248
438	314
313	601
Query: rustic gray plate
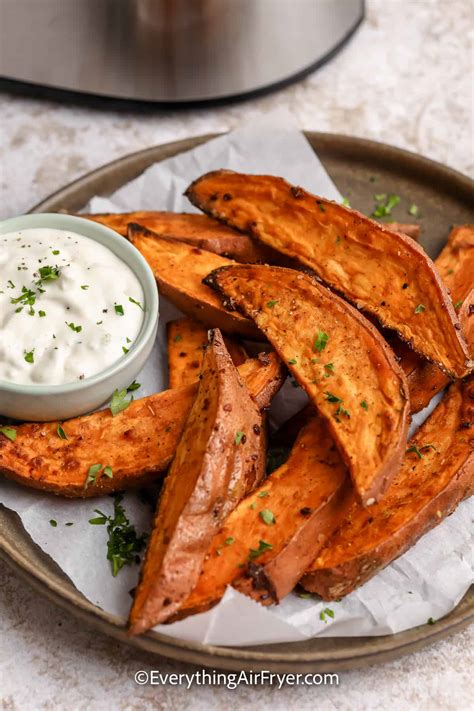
360	168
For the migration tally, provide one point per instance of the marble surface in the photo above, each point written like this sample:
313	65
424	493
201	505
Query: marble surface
405	78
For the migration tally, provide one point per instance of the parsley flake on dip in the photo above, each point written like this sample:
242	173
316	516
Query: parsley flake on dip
69	307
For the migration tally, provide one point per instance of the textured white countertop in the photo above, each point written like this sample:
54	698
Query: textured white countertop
406	79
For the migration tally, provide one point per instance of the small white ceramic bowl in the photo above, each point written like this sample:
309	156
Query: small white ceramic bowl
60	402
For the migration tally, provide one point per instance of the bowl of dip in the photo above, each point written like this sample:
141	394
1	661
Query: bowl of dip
78	315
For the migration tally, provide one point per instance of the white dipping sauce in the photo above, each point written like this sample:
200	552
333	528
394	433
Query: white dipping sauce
66	309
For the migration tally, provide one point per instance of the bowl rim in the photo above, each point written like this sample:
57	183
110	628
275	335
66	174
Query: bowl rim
130	256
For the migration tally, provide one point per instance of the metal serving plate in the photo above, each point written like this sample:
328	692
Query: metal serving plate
359	168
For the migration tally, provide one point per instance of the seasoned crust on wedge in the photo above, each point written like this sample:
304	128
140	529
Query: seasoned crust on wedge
338	357
138	444
179	269
381	271
437	473
219	459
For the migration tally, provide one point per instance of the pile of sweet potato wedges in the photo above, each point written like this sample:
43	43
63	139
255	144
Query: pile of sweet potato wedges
364	322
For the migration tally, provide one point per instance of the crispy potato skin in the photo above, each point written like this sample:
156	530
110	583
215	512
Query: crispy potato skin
423	493
455	264
179	270
355	365
211	472
306	496
381	271
186	342
138	444
197	230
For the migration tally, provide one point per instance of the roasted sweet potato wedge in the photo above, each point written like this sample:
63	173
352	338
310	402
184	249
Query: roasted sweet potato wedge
456	266
197	230
179	270
338	357
269	539
437	473
381	271
138	444
186	342
219	459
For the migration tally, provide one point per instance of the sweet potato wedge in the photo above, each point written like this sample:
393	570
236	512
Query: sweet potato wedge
219	459
197	230
186	342
338	357
381	271
455	264
437	473
179	270
271	537
138	444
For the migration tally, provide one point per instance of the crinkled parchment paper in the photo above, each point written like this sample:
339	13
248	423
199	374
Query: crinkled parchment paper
428	581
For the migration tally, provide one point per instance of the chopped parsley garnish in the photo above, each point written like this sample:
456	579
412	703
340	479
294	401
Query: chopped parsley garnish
178	338
69	523
30	356
292	361
346	202
48	274
240	438
267	517
137	303
364	405
385	205
61	433
11	285
41	314
419	309
73	327
229	541
27	298
123	545
119	309
419	450
262	494
341	411
8	432
332	398
107	471
133	386
320	342
430	621
271	304
119	401
56	252
253	506
321	206
262	547
458	304
327	611
53	522
125	350
413	210
94	469
84	287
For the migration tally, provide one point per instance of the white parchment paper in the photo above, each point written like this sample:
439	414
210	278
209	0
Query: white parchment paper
427	582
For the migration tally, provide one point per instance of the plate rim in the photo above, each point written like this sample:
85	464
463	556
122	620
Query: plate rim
370	650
